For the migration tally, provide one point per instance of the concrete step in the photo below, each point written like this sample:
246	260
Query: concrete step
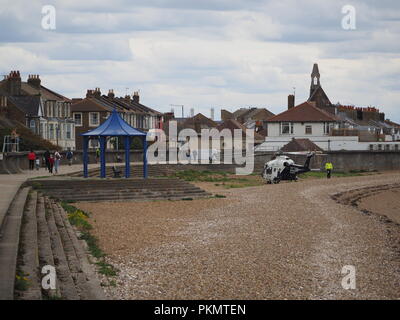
29	252
91	290
63	192
74	262
138	198
64	276
44	243
9	243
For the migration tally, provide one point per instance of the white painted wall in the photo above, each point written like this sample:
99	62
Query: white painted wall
334	143
299	129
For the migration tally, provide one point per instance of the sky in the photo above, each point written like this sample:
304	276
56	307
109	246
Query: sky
224	54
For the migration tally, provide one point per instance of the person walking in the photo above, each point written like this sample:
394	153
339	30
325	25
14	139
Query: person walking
69	157
328	168
46	156
97	154
51	163
31	158
37	162
57	159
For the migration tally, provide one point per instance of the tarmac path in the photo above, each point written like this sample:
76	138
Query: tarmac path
285	241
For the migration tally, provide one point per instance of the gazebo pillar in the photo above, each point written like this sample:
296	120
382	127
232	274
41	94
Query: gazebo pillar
144	157
127	141
102	156
85	156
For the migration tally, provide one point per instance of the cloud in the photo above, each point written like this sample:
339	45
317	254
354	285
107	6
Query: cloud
207	54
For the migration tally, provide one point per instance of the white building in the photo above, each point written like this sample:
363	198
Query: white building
306	121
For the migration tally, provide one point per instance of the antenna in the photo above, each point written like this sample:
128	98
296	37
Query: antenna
178	105
294	91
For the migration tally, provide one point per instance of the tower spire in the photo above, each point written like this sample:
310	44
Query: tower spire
314	78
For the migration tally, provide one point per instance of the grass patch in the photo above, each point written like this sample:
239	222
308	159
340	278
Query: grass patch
220	178
107	269
219	196
79	219
92	243
203	176
22	282
35	185
52	297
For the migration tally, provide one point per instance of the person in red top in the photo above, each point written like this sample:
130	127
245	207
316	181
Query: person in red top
31	158
51	163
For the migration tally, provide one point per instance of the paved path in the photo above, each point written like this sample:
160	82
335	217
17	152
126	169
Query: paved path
286	241
10	183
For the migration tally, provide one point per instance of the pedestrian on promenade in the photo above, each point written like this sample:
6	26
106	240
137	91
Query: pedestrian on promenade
57	159
328	168
37	162
46	156
31	158
69	157
97	154
51	163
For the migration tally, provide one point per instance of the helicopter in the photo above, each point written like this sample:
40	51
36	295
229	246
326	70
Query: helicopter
281	167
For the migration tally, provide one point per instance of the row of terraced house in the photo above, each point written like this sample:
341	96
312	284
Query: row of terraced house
61	120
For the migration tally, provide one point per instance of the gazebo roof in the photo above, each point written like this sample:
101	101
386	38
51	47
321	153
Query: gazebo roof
114	126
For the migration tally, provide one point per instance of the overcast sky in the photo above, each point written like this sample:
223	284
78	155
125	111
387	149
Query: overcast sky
203	53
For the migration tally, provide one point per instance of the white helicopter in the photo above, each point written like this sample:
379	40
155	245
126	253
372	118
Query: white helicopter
281	167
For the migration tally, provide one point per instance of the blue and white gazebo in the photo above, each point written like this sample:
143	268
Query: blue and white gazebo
113	126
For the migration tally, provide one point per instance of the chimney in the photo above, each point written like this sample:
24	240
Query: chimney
212	113
127	98
111	93
97	93
14	83
89	93
135	97
34	80
290	101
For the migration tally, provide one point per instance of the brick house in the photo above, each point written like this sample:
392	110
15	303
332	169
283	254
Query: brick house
44	111
89	112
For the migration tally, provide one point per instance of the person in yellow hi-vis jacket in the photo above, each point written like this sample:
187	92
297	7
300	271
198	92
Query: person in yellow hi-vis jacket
328	168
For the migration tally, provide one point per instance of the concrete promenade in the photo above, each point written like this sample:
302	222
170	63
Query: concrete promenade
10	183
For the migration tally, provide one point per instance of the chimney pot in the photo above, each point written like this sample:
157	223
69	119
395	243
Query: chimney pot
111	93
135	97
290	101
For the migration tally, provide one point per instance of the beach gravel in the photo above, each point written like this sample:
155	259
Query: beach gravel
285	241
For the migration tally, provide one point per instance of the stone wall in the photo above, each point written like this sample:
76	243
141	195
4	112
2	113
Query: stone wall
342	160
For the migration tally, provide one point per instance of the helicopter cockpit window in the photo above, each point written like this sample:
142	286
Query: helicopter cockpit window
269	170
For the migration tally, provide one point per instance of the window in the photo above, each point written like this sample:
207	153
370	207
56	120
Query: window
54	109
51	131
308	129
286	128
94	119
32	125
68	131
327	127
78	119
